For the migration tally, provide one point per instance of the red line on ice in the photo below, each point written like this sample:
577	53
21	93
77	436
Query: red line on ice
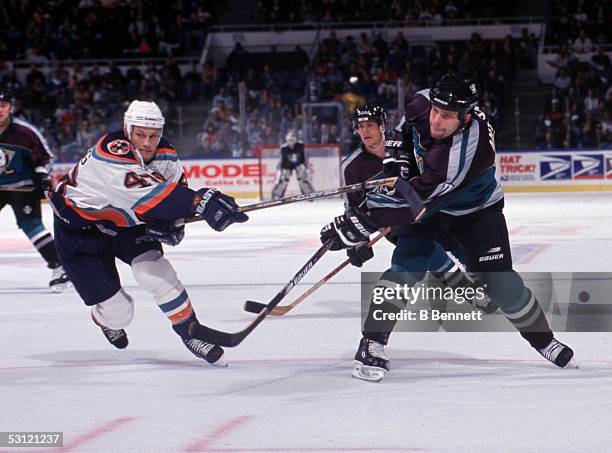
217	434
343	449
530	256
95	433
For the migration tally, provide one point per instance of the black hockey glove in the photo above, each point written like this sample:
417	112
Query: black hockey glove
42	182
169	232
219	210
359	254
399	162
348	230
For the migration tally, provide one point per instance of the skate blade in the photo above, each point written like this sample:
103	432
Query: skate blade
368	373
220	363
59	287
572	365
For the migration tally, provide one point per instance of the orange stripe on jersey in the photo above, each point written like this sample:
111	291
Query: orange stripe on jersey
181	315
154	201
166	151
109	214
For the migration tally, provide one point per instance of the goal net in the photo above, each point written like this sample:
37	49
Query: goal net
323	166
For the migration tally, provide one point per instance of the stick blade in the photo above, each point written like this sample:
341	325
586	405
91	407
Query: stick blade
253	306
204	333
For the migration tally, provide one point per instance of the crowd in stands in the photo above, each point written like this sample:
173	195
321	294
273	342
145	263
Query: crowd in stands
74	101
86	29
74	104
579	24
72	98
354	70
413	12
578	112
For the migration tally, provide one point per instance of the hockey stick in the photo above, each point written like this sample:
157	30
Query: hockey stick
280	310
231	339
313	195
17	189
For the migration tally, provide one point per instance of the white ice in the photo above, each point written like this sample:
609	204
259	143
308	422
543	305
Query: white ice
289	385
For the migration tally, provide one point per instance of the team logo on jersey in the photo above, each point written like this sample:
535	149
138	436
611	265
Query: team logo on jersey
588	166
5	158
118	147
556	167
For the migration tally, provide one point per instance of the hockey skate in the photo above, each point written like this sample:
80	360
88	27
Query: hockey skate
371	363
212	353
59	280
117	337
558	353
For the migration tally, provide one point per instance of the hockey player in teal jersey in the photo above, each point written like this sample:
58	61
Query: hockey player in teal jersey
24	178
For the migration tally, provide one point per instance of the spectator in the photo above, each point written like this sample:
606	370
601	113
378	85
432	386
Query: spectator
591	103
582	44
86	136
325	135
562	81
600	60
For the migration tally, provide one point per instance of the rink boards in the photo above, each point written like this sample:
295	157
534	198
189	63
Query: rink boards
518	171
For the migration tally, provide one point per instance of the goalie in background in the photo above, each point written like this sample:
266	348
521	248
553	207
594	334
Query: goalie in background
292	158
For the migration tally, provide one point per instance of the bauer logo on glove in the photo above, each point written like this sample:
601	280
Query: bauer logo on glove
348	230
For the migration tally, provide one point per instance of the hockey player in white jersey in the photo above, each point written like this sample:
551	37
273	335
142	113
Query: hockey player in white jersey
126	196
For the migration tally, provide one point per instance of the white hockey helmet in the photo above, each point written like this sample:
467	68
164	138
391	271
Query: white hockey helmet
144	114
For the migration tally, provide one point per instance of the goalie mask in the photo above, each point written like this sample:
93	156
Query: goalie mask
291	138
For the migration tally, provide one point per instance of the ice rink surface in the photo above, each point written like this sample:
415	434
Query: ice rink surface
289	386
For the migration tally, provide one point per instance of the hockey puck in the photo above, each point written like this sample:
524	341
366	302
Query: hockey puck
253	307
584	296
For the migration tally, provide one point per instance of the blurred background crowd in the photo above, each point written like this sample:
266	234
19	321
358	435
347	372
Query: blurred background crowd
75	65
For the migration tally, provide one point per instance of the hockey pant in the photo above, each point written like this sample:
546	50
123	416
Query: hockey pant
89	255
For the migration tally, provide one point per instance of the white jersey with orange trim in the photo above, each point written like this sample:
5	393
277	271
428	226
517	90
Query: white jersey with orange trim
114	187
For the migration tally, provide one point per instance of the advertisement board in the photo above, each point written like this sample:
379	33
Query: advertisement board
518	171
555	170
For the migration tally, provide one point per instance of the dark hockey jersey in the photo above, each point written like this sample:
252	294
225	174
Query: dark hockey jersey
22	149
458	172
362	165
292	157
